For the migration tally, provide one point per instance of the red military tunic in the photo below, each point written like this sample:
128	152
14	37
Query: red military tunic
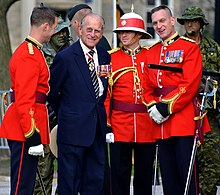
126	88
181	53
29	75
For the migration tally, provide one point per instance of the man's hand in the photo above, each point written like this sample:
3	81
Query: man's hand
110	138
36	150
156	116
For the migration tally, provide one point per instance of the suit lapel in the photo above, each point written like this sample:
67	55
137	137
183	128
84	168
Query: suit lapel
83	67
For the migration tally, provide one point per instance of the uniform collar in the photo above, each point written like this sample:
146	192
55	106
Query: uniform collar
170	40
131	52
34	42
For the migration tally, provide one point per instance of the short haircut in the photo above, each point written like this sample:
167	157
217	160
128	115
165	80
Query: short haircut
41	15
93	15
162	7
80	14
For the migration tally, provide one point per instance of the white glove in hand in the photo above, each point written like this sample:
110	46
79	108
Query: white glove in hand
110	138
36	150
156	116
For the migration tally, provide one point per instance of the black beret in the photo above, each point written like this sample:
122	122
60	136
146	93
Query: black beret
75	9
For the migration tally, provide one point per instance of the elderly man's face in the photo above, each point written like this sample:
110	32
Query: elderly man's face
91	31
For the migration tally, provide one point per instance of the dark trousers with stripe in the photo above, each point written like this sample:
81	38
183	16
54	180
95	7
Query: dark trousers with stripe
121	167
22	169
174	157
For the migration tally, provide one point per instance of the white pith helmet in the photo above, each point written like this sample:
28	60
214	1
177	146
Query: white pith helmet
132	22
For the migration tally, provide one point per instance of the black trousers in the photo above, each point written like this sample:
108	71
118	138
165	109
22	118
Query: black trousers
121	167
23	168
81	169
174	157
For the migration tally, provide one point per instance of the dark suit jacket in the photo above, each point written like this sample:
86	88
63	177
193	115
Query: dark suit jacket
72	96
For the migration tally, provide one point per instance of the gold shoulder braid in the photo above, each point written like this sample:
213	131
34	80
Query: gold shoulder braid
121	72
30	49
113	50
187	39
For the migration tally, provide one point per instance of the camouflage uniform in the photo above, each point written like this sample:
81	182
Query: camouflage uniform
209	152
46	163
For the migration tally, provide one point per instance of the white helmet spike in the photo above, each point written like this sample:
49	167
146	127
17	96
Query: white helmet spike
132	22
132	7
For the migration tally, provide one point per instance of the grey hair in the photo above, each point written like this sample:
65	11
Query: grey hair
94	16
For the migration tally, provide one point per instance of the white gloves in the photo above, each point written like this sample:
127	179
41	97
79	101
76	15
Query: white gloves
109	137
36	150
156	116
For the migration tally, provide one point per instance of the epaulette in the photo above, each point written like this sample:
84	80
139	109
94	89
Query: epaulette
30	49
154	44
113	50
188	39
146	47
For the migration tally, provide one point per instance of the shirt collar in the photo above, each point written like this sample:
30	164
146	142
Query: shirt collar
85	48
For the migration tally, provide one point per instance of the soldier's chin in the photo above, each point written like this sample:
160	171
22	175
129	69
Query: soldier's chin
192	33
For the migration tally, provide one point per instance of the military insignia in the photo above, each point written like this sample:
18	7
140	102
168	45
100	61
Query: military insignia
170	41
187	39
182	89
104	70
91	66
138	50
174	56
129	52
123	22
113	50
30	48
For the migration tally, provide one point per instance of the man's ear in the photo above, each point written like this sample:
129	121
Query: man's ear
172	20
80	31
45	26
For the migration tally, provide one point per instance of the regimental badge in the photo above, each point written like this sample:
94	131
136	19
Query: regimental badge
30	48
123	22
174	56
91	66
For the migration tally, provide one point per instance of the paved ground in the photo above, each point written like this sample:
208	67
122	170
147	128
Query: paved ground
4	187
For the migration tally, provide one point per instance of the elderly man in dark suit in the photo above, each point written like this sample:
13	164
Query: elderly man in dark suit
77	96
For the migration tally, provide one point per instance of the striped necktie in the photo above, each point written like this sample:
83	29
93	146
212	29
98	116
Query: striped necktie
93	72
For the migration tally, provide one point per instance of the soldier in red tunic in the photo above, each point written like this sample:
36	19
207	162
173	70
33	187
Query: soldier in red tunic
25	124
128	117
169	95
